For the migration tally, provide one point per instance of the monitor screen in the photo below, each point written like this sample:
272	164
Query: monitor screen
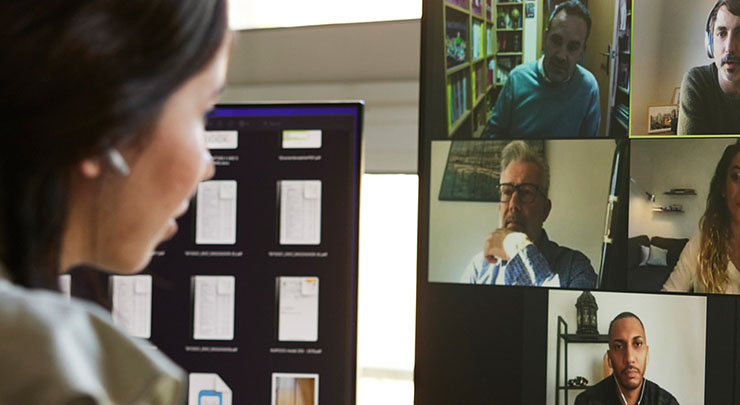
577	195
256	295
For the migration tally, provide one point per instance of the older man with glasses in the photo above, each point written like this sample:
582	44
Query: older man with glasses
519	252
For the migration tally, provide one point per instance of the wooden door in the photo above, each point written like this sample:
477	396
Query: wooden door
599	55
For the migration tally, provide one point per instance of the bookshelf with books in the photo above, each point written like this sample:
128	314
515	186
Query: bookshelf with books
509	36
618	127
458	37
483	42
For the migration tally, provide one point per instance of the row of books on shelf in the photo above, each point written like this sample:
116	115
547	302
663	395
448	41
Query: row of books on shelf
489	40
480	118
478	4
457	97
491	69
478	31
480	79
481	31
482	41
510	42
476	8
504	66
459	3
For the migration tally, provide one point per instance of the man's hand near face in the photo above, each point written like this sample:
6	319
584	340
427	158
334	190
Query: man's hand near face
503	244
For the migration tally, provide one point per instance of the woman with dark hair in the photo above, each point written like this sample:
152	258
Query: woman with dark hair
101	148
710	261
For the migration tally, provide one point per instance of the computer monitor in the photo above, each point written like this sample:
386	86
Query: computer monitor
256	295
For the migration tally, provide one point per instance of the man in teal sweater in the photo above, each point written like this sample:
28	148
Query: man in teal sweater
553	97
710	95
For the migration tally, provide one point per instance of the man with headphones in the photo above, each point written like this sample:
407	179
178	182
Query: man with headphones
552	97
710	94
628	357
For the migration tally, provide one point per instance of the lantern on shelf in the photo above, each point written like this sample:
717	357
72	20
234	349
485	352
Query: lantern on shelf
586	314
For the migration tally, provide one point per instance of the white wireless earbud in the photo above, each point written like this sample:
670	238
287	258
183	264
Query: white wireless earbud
118	163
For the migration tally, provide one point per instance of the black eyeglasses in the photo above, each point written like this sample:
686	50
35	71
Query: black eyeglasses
526	191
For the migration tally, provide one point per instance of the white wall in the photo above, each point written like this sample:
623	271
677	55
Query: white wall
668	40
244	14
661	164
675	330
579	186
391	115
374	62
385	361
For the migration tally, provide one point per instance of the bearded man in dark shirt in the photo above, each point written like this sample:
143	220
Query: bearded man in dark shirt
710	94
628	354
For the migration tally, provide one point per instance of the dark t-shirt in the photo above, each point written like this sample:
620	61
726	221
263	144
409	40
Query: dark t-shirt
705	108
605	393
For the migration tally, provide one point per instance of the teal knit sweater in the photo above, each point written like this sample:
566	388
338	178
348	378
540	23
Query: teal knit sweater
530	106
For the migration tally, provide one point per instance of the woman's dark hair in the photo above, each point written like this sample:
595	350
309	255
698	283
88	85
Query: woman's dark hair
715	227
79	77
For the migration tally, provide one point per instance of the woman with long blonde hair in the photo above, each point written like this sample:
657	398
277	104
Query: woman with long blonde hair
710	260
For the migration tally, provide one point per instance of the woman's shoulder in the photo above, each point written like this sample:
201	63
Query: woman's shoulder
694	244
39	307
44	316
54	348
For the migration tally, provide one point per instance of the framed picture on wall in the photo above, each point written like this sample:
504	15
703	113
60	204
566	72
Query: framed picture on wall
529	10
473	170
661	118
676	94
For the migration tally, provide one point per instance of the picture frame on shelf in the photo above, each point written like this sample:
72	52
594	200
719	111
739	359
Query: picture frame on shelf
676	96
661	118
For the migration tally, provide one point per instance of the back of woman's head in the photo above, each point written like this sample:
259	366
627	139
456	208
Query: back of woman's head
715	226
79	78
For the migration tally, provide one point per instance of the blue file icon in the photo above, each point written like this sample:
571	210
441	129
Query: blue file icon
209	397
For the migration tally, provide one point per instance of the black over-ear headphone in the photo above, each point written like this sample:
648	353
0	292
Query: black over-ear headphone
708	38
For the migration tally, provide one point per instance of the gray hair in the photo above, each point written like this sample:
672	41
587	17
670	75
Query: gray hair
520	151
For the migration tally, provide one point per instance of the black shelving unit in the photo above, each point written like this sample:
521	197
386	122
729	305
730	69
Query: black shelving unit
567	339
